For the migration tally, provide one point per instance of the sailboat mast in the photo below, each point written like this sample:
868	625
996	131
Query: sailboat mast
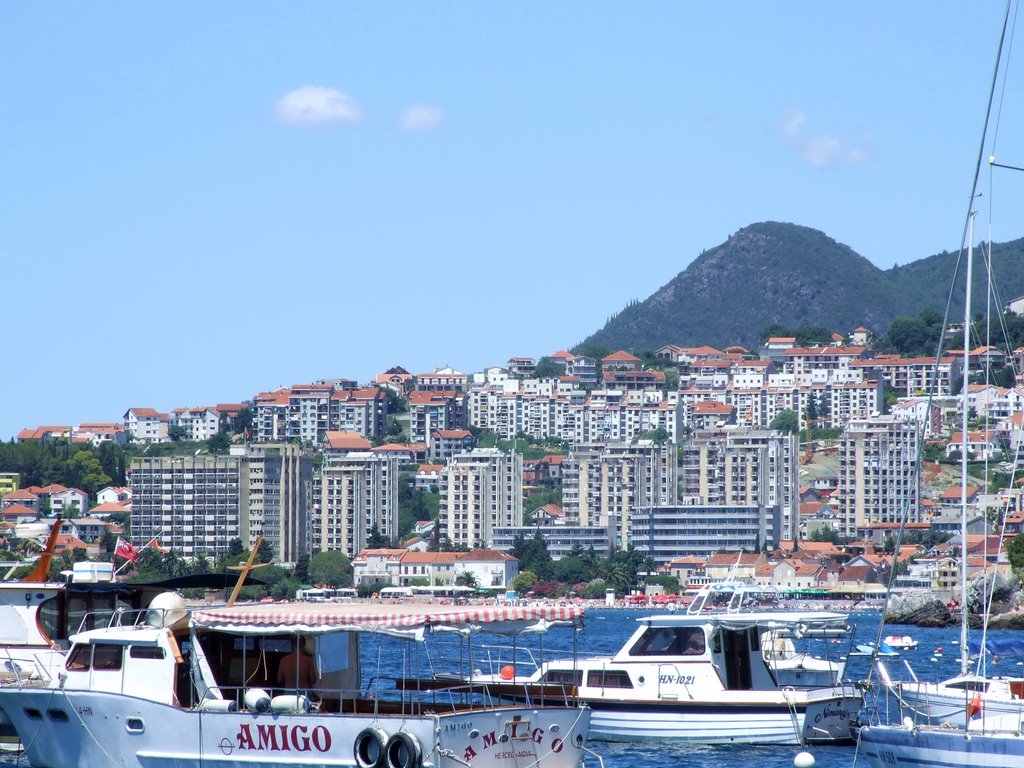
964	652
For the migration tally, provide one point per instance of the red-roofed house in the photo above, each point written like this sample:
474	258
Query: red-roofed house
428	477
22	497
707	414
621	361
18	513
489	568
69	502
146	425
445	443
337	443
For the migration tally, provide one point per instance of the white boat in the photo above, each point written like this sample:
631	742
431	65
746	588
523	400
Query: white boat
169	687
712	675
903	642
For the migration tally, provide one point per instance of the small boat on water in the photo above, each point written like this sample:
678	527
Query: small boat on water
170	687
728	671
902	642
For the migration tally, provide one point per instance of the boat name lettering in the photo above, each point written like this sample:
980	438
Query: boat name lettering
887	757
458	726
283	738
490	739
675	679
85	711
832	714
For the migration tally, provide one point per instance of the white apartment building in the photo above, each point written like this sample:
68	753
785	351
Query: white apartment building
358	490
198	504
740	467
480	490
603	482
279	498
197	423
878	482
305	412
146	425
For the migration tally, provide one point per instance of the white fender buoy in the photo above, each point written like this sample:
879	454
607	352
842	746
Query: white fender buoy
803	760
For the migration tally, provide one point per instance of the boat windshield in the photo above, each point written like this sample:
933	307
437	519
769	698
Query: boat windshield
670	641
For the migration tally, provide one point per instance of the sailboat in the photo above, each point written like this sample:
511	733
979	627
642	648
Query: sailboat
980	719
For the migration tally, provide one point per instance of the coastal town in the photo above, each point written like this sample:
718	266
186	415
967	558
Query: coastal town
789	465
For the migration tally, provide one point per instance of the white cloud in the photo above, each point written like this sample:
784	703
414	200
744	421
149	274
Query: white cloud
421	118
315	105
823	150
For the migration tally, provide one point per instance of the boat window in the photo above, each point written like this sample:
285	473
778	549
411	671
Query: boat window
79	659
609	679
670	641
49	619
146	652
564	676
970	685
107	657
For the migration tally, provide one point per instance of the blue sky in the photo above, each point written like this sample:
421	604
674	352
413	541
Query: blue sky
201	201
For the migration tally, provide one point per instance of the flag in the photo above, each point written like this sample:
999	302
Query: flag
156	545
126	550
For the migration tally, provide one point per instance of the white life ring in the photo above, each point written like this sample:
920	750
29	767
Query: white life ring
368	748
403	751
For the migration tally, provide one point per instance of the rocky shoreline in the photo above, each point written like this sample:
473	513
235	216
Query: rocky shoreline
924	608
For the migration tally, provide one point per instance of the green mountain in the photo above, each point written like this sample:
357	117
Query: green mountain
773	273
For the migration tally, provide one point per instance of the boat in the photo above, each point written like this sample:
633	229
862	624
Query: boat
980	718
728	671
901	642
168	686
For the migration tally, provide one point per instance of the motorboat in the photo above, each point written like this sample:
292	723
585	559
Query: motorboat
717	674
900	642
166	686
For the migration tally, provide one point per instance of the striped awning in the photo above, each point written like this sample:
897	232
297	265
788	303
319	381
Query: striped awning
286	618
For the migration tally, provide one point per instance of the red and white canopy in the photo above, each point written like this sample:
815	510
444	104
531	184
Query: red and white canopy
290	618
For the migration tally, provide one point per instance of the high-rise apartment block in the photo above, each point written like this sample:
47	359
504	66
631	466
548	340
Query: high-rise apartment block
602	483
479	491
198	504
358	490
878	477
738	467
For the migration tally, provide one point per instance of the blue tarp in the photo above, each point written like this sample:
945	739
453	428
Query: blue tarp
997	645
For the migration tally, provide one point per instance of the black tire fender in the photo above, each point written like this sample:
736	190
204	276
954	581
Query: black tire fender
369	747
403	751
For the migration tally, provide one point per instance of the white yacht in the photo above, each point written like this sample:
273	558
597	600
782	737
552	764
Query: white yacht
712	675
169	687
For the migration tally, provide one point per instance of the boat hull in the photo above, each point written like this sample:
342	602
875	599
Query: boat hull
751	718
927	707
89	729
894	747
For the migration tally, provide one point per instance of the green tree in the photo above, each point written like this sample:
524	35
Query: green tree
177	433
466	579
1015	552
533	554
332	568
219	443
243	421
547	368
785	421
83	470
524	582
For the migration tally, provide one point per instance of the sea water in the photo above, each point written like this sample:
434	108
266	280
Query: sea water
937	657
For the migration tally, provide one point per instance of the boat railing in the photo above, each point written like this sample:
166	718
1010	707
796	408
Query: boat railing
497	657
407	696
27	668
